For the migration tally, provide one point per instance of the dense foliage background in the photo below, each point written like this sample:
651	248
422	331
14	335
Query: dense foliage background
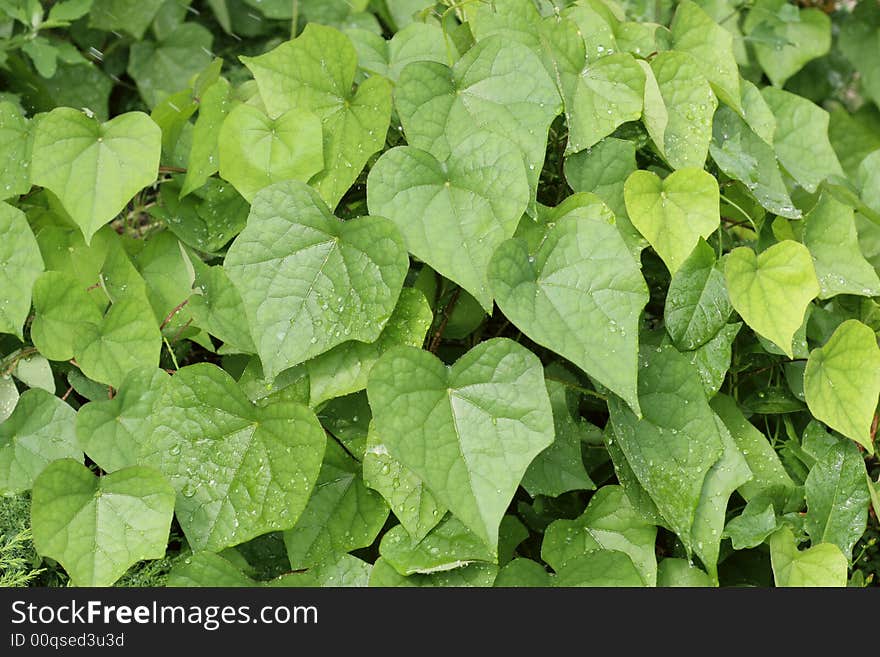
644	235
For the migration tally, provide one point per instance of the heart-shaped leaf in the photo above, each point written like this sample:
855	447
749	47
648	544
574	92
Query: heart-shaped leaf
580	294
315	72
239	470
673	214
97	527
20	265
39	431
470	431
771	290
310	281
822	564
60	302
453	214
842	381
95	168
256	151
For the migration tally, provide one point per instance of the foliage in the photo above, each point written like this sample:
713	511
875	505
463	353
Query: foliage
456	293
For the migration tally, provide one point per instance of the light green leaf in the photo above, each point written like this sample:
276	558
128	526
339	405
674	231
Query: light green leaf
310	281
97	527
8	397
821	565
113	432
410	500
674	213
204	156
217	308
673	446
498	86
801	138
95	168
127	337
35	372
239	470
679	105
744	156
599	568
344	369
453	214
206	220
20	265
560	467
163	68
712	360
678	572
342	513
256	151
842	381
61	304
542	293
837	497
468	432
785	40
448	546
132	16
523	573
697	306
477	575
753	525
830	235
711	46
609	523
39	431
771	290
168	276
757	112
858	40
315	72
15	151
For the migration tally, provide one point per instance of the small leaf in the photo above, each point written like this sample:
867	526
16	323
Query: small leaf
753	525
61	304
20	265
673	214
599	568
448	546
679	572
97	527
478	575
821	565
204	156
95	168
771	291
35	372
468	432
842	381
15	148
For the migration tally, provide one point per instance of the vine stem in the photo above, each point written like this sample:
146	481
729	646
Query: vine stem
447	312
10	363
173	312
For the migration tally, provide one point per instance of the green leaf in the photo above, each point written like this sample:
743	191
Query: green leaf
679	105
217	308
239	470
609	523
858	41
837	498
771	290
162	68
753	525
498	86
697	306
345	368
678	572
842	381
113	432
61	303
478	575
711	46
132	16
830	235
560	467
410	500
523	573
744	156
127	337
672	448
208	218
673	213
599	568
315	72
20	265
453	214
786	40
541	292
8	397
712	360
39	431
468	432
35	372
15	151
821	565
801	138
448	546
309	281
97	527
256	151
95	168
342	513
204	155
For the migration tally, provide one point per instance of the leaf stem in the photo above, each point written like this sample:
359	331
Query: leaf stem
447	312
